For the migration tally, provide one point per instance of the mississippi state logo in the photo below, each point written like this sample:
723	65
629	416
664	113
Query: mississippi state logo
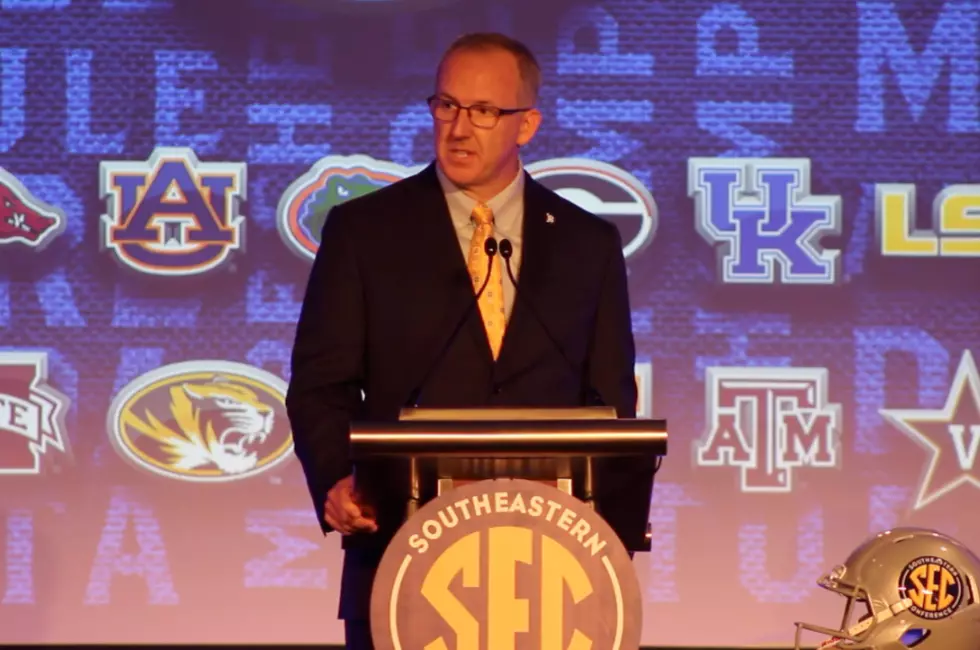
933	586
506	564
205	421
606	191
23	218
32	413
769	422
330	181
172	215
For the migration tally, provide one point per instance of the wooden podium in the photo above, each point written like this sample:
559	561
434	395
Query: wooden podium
519	526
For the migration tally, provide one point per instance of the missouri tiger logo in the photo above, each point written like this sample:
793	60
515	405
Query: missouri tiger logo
205	421
506	563
24	219
329	182
172	215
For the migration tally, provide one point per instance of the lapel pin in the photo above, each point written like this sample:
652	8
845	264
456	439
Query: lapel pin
549	218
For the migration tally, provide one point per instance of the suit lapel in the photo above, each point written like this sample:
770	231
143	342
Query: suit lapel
536	258
438	244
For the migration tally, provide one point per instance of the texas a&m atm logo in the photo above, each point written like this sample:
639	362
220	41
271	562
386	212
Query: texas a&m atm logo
32	413
764	222
172	215
767	422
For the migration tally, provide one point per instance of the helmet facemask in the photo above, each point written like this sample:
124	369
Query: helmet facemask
859	619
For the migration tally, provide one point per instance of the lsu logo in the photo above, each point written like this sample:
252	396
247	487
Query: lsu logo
768	421
764	222
933	585
955	227
331	181
23	218
32	413
606	191
204	421
172	215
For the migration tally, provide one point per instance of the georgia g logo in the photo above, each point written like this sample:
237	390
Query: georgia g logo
330	181
24	219
172	215
204	421
606	191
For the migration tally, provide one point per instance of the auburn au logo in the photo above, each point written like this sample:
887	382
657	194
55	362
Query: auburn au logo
205	421
172	215
506	565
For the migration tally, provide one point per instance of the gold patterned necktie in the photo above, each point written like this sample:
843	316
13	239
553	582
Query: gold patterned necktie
492	299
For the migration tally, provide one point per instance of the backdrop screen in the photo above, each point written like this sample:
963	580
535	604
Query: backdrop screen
797	188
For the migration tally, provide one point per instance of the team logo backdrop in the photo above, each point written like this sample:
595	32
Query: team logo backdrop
797	188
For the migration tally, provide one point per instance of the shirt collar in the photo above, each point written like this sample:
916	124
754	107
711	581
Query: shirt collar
461	205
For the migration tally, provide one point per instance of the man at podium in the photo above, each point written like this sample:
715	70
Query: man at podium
468	284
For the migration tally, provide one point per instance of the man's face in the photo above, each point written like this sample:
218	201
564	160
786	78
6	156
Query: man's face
482	161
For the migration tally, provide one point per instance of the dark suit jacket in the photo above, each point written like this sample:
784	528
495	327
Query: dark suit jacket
387	287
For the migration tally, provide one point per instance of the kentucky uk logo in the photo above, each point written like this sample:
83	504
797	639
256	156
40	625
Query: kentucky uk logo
763	221
203	421
602	189
172	215
24	219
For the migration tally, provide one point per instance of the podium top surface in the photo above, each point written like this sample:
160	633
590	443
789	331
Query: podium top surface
509	433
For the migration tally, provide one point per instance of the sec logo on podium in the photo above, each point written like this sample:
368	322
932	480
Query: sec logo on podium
506	564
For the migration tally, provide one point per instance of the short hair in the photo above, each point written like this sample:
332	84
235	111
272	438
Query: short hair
527	64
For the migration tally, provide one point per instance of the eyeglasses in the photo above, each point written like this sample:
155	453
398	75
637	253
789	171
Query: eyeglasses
482	116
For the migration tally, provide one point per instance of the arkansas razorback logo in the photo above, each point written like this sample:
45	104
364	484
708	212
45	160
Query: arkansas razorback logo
23	218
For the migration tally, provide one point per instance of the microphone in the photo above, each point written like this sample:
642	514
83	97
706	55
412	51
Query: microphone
490	248
592	396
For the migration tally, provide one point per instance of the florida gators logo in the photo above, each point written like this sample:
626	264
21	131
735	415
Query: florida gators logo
24	219
330	181
172	215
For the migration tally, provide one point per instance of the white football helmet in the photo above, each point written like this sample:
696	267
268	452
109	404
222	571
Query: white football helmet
905	588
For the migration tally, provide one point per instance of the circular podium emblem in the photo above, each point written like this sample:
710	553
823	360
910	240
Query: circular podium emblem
506	564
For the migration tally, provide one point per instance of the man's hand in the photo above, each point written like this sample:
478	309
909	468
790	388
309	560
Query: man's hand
342	511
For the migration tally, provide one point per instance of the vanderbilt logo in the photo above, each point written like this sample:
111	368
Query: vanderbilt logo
506	565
